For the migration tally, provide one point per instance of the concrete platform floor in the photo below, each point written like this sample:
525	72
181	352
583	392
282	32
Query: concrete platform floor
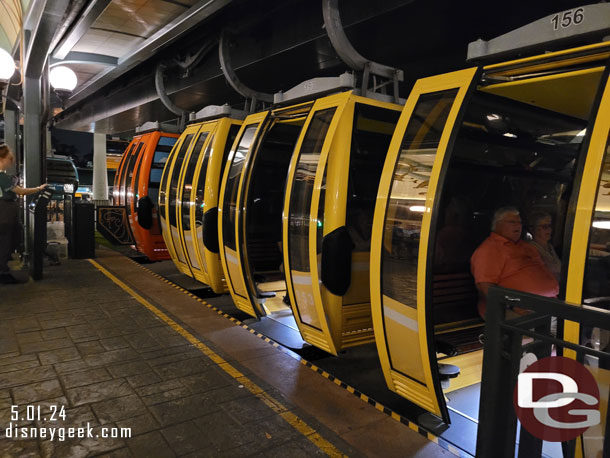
106	345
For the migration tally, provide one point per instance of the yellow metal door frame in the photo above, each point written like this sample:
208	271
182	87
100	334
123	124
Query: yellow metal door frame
168	172
211	196
162	200
320	337
231	259
202	273
118	178
335	215
131	203
178	239
425	393
297	113
197	272
584	211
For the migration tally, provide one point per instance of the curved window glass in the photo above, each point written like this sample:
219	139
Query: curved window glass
371	136
200	192
121	182
172	197
133	194
300	214
406	204
159	161
229	206
596	287
156	168
173	185
506	153
185	198
201	186
127	179
302	190
116	192
185	195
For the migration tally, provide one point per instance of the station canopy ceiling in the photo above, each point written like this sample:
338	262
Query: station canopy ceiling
115	46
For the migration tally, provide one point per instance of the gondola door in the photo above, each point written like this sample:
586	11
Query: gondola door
194	223
184	202
228	210
588	270
204	212
118	179
402	316
131	188
167	198
303	220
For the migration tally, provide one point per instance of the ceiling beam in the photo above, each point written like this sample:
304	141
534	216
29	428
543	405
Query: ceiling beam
93	10
160	39
85	58
41	25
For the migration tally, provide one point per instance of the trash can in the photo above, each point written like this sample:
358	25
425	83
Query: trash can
82	245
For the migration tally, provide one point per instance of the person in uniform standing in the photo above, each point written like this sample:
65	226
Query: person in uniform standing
9	209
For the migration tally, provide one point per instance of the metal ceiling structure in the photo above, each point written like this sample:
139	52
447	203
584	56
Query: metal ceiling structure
116	46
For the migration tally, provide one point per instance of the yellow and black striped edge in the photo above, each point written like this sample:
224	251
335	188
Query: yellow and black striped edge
412	425
280	409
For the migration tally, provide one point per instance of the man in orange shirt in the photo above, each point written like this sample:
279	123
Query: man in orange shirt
505	260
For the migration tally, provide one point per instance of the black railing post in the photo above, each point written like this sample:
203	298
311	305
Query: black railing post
497	419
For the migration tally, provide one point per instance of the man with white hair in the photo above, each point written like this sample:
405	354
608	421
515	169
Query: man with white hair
505	260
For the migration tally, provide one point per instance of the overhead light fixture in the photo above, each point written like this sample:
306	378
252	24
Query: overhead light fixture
601	224
418	208
63	79
7	66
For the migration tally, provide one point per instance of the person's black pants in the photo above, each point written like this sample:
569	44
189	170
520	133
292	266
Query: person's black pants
9	232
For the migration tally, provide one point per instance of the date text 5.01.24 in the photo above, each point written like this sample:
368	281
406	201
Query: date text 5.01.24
35	413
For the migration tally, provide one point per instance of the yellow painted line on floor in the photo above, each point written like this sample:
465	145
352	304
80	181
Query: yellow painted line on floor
363	397
267	399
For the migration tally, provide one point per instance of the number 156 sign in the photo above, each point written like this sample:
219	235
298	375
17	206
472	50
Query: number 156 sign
568	18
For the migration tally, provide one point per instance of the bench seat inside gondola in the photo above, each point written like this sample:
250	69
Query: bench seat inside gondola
458	328
457	322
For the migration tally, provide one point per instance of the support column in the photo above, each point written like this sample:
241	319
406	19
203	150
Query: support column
10	128
100	174
32	132
33	155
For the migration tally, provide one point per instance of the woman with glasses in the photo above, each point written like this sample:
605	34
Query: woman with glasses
541	229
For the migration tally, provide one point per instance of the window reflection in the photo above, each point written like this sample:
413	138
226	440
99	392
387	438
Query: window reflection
116	192
230	195
128	178
506	154
408	194
173	186
302	190
200	193
156	168
188	182
596	288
